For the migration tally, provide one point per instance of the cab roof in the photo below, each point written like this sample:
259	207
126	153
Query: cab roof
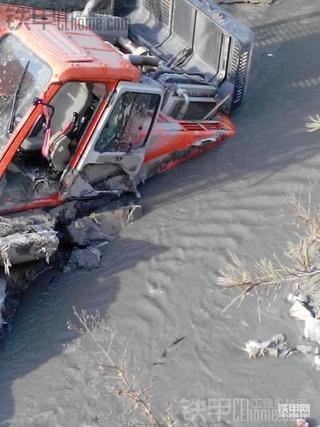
74	54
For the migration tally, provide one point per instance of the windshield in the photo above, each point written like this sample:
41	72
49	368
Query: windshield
129	123
23	76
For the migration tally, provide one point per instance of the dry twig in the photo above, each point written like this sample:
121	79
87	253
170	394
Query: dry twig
118	371
303	260
314	124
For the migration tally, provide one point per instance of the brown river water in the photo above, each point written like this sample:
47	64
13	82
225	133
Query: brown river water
157	284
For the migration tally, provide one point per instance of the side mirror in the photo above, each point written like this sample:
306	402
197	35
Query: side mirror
38	126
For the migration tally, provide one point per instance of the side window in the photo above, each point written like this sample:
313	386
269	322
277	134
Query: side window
74	106
75	100
129	124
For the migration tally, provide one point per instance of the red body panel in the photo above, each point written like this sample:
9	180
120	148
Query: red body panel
171	136
47	202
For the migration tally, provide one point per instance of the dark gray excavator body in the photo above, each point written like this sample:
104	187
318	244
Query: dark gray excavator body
199	36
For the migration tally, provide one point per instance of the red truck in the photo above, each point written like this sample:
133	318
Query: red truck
92	104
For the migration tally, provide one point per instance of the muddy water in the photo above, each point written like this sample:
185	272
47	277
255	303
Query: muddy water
157	283
2	296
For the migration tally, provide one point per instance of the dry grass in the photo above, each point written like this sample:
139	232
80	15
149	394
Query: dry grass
314	124
117	370
267	275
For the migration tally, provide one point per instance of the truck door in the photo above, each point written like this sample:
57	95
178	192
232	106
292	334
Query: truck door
119	142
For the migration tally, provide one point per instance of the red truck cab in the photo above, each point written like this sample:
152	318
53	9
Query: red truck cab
79	119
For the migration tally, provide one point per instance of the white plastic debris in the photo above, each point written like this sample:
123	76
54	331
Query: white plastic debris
299	311
312	330
316	361
298	296
273	347
302	423
255	349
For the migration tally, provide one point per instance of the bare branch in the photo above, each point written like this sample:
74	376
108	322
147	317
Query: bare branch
303	259
126	388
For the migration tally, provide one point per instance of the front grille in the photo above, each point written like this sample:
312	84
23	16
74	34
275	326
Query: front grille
211	126
161	10
192	126
240	80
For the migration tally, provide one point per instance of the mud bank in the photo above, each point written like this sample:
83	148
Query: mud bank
67	239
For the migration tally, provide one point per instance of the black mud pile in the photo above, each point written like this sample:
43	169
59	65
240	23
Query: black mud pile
27	238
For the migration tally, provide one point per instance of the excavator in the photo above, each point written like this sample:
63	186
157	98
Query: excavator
95	103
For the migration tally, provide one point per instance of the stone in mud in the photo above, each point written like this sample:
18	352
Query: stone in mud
113	221
27	238
66	213
20	248
316	361
273	347
26	224
299	311
85	231
88	258
103	225
312	330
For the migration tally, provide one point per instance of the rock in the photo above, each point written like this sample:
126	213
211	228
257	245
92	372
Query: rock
27	237
66	213
112	221
273	347
278	339
26	223
305	349
88	258
273	352
299	311
316	361
85	231
287	352
103	225
20	248
293	297
312	330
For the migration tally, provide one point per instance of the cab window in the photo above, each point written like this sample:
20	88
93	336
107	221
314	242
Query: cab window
129	124
23	76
